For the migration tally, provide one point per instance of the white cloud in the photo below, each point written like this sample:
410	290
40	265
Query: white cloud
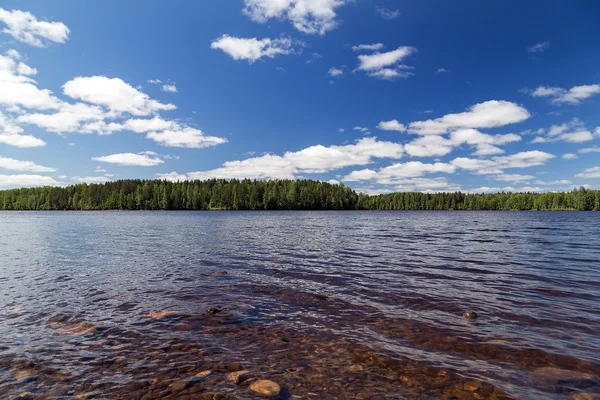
308	16
573	132
575	95
489	114
368	47
154	81
185	136
18	89
169	88
115	94
91	179
437	145
130	159
392	125
18	165
429	146
397	173
553	183
253	49
11	134
361	129
25	27
27	181
173	177
569	156
23	141
589	173
496	165
388	14
386	65
68	118
514	178
539	47
314	159
336	72
589	150
441	71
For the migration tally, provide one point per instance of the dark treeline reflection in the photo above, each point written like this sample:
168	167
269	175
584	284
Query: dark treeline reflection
219	194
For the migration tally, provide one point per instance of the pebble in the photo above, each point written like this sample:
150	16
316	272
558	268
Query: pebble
239	376
213	310
356	368
203	374
472	386
266	388
24	374
162	314
470	315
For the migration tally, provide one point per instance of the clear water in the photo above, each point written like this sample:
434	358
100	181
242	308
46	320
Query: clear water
306	296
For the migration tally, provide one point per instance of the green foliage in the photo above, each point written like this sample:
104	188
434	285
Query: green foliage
219	194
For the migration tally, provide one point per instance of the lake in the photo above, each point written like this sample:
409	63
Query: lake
339	305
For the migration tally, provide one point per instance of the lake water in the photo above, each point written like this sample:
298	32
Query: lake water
326	304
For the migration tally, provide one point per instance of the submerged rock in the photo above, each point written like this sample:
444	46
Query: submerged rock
239	376
213	310
471	315
266	388
24	374
552	377
162	314
472	386
203	374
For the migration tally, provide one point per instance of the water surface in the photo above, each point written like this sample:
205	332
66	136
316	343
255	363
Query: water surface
327	304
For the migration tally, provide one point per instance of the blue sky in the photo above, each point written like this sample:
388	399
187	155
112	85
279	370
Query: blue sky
381	95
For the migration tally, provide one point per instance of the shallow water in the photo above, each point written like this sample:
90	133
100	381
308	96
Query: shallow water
326	304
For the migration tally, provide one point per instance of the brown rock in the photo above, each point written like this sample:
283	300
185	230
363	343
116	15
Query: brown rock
356	368
472	386
24	374
213	310
266	388
203	374
162	314
471	315
552	376
239	376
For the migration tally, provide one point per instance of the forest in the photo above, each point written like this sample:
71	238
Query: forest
220	194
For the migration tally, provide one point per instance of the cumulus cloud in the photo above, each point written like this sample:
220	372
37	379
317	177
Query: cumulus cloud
307	16
253	49
386	65
437	145
590	173
441	71
11	134
335	72
590	149
497	164
576	95
314	159
490	114
514	178
18	165
27	181
388	14
569	156
368	47
185	136
130	159
573	131
26	28
115	94
171	88
538	47
91	179
392	125
397	173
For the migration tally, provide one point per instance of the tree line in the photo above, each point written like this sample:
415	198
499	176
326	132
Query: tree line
220	194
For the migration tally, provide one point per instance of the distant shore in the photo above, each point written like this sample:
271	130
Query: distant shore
250	195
